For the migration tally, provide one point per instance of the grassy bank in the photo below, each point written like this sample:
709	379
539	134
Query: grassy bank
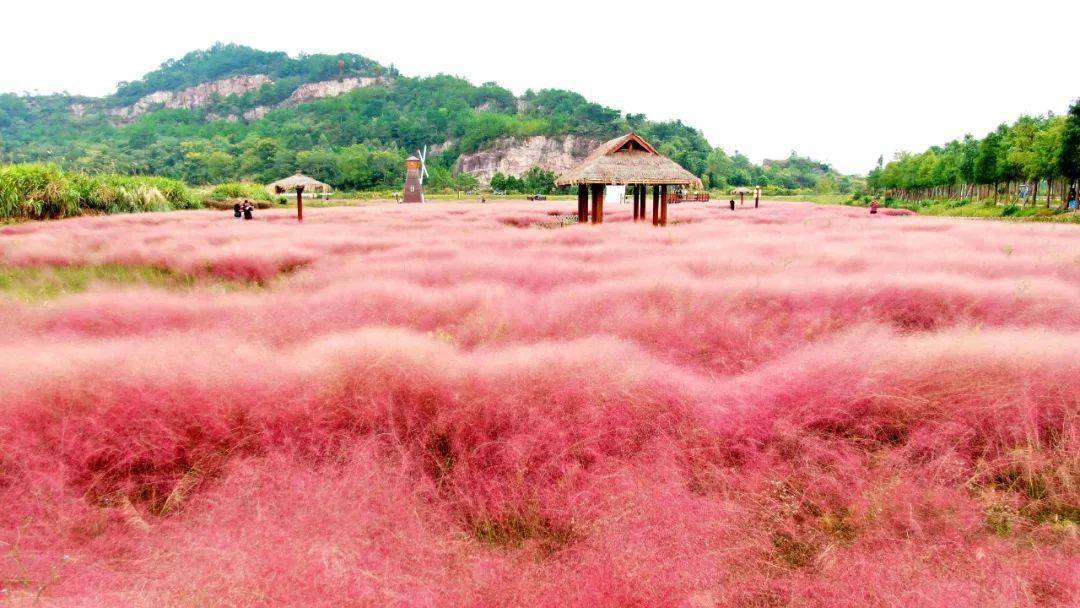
47	191
954	208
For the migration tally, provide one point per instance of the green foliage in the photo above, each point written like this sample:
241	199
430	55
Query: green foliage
1032	149
240	190
538	181
1069	156
46	191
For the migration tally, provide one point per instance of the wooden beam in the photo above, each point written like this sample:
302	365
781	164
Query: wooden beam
600	204
597	195
663	205
299	203
637	201
582	203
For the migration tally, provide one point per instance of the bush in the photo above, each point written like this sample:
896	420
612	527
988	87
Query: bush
240	190
1010	210
46	191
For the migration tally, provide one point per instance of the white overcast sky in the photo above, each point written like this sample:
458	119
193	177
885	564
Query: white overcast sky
841	81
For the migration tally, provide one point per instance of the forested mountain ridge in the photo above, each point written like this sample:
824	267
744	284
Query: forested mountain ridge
231	112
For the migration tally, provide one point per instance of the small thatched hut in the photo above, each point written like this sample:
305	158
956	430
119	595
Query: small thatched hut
632	161
298	183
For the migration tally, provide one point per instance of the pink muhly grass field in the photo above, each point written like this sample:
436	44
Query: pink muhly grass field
463	405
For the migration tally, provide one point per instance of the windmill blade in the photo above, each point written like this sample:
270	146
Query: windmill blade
423	163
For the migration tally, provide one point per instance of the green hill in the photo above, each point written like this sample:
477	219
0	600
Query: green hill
232	113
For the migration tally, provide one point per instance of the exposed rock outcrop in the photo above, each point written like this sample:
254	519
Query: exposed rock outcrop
201	95
192	97
256	113
328	88
511	156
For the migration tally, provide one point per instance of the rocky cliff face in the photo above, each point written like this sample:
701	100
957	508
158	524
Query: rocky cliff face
328	88
511	156
201	95
190	98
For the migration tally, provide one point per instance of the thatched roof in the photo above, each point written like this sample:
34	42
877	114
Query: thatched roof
628	159
295	181
742	190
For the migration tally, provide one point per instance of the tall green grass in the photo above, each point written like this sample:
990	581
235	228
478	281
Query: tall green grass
232	190
37	191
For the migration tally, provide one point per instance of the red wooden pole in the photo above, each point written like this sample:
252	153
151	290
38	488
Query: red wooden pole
663	205
299	203
582	203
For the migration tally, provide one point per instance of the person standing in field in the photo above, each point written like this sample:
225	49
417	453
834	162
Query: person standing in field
248	209
236	210
874	206
732	204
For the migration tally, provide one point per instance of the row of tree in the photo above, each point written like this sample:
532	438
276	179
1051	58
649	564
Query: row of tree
1041	153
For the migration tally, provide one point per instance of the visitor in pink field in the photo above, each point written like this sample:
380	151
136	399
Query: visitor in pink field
874	206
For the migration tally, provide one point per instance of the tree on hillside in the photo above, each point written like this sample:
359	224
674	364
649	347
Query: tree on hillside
1069	161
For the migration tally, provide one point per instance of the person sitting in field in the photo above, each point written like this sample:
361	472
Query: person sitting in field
874	206
248	210
236	210
732	204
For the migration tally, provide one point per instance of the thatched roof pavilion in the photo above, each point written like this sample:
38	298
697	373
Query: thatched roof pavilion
298	182
629	160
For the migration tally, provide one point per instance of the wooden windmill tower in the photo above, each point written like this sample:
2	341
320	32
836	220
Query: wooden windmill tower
415	172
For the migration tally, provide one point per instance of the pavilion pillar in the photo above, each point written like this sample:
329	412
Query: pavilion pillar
637	202
656	205
582	203
641	201
597	203
663	205
299	203
600	204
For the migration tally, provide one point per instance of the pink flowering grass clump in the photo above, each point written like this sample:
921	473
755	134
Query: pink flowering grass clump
466	405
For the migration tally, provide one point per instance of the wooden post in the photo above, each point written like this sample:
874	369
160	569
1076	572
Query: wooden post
639	199
595	213
299	203
600	204
663	205
582	203
656	205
